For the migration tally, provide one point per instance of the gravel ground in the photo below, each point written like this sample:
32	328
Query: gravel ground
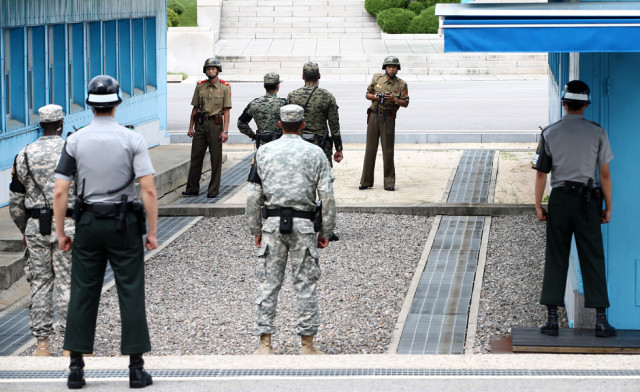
512	280
201	288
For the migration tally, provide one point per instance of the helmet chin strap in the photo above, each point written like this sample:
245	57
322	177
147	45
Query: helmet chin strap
391	75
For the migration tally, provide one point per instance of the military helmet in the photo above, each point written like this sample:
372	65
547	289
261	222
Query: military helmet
391	60
103	92
211	62
576	91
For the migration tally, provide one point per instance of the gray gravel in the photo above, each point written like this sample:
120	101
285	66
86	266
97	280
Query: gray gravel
201	289
512	280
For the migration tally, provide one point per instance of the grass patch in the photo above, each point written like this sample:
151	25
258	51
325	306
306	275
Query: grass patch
189	16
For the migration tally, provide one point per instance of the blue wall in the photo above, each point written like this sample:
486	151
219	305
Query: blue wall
49	50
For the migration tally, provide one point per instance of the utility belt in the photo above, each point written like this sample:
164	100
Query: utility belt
264	138
287	214
318	140
382	113
118	211
36	212
586	191
218	118
107	210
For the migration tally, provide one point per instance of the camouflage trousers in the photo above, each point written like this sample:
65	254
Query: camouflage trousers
299	249
48	267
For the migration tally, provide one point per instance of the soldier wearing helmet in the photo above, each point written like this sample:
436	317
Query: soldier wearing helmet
106	158
577	154
209	127
31	207
387	94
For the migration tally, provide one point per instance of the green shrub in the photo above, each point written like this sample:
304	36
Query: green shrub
416	7
395	20
375	6
173	19
425	23
430	3
174	5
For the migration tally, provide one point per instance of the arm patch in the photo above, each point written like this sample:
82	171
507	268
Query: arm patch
16	185
541	161
245	116
66	164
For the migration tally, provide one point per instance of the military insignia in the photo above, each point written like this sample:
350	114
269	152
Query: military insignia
405	92
202	81
223	82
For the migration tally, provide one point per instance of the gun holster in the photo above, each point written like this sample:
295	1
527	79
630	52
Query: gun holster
44	219
286	220
77	208
141	215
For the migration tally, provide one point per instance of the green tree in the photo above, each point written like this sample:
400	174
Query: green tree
425	23
395	20
375	6
173	19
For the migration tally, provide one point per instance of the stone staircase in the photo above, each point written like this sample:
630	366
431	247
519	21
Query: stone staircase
259	36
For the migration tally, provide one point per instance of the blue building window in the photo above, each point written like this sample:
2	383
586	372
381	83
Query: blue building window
150	34
138	56
124	54
111	49
58	66
94	49
37	77
76	68
3	94
15	78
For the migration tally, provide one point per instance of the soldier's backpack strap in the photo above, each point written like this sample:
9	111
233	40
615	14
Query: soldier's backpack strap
312	91
26	162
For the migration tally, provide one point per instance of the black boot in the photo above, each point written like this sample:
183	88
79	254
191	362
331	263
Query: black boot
603	328
138	377
551	327
76	374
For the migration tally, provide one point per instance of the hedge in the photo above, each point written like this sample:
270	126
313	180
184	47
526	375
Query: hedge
417	7
425	23
374	7
395	20
173	19
430	3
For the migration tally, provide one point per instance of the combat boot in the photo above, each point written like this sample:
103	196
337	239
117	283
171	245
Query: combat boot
307	346
42	348
603	328
265	345
76	372
138	377
551	327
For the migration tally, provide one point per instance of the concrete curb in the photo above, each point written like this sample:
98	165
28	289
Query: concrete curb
453	209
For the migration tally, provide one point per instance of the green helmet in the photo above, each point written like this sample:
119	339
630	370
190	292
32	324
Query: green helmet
391	60
211	62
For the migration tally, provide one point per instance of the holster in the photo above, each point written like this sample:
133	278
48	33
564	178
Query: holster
369	111
138	208
45	219
77	208
200	116
286	221
218	118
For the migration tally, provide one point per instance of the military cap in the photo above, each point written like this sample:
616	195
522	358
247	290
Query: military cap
50	113
272	78
311	69
291	113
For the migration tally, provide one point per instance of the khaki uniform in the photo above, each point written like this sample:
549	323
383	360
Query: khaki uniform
210	99
381	125
320	109
47	266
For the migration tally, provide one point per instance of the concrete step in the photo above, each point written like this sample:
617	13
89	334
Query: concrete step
11	268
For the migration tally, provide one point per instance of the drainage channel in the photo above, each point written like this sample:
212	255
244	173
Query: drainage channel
437	319
384	372
14	326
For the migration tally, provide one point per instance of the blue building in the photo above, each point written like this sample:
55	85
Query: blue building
599	43
49	50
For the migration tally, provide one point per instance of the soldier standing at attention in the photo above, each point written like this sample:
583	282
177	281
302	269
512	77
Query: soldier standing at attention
107	157
209	127
31	208
265	111
574	150
387	94
291	172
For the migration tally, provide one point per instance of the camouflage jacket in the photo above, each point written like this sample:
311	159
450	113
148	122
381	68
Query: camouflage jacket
43	155
320	110
292	171
265	111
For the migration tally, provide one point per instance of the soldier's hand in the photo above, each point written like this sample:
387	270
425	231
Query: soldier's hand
65	243
258	241
323	242
541	213
224	137
337	156
606	216
389	96
190	133
151	242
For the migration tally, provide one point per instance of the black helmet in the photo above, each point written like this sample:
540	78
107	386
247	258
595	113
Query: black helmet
211	62
103	92
391	60
576	91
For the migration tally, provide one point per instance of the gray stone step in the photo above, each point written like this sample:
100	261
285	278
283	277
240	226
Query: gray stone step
11	268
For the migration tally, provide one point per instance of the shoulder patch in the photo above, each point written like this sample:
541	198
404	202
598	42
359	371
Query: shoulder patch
224	82
202	81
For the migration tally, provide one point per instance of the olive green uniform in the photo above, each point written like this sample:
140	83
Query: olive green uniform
381	125
210	100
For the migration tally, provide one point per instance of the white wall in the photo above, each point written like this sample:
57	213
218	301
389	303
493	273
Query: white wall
188	48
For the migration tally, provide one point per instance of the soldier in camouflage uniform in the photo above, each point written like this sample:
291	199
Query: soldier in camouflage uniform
387	94
265	111
320	107
30	206
291	172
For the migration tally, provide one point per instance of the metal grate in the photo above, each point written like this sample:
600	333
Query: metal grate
222	373
471	183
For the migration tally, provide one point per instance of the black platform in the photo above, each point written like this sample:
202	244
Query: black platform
577	341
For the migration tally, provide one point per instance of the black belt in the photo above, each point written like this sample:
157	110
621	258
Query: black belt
294	213
35	212
574	187
213	116
105	210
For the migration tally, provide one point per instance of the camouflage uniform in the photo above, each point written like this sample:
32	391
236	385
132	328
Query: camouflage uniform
46	263
265	111
320	109
292	171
